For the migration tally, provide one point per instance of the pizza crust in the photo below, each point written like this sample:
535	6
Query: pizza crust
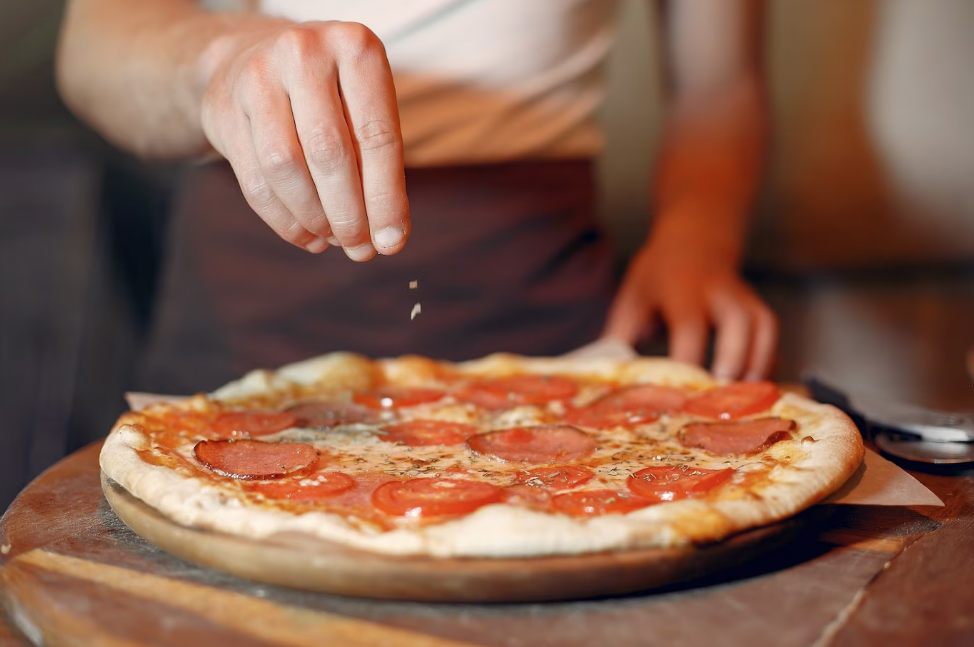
806	471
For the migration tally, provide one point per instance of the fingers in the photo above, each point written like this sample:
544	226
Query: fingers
733	338
281	163
330	157
688	335
747	336
307	117
373	120
265	202
764	342
629	315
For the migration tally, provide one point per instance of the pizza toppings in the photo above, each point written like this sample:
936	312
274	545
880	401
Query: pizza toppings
395	397
734	400
629	407
644	396
421	433
322	485
432	497
672	483
543	444
253	459
322	414
588	503
253	423
560	477
740	437
508	392
609	417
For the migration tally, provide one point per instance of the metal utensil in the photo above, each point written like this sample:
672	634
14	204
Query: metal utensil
906	431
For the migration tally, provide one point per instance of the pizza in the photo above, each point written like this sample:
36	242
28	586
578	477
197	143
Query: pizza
504	456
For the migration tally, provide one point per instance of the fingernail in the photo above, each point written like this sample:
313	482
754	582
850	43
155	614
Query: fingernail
316	246
363	252
334	242
388	237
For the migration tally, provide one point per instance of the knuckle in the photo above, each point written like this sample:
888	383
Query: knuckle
298	44
355	39
279	161
326	149
377	135
257	191
293	232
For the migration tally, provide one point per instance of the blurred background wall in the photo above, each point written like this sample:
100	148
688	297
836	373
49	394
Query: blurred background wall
864	236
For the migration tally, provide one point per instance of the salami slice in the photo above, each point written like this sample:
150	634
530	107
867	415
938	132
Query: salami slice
734	400
395	397
589	503
422	433
644	396
630	407
253	423
609	417
672	483
518	390
741	437
556	443
326	415
432	497
558	477
322	485
253	459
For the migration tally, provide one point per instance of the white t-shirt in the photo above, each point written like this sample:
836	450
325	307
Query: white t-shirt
486	80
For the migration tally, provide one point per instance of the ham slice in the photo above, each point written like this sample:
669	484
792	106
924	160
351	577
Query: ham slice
741	437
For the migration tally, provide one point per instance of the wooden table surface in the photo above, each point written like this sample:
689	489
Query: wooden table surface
73	574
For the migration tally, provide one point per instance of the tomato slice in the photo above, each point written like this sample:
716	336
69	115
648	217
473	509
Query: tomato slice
422	433
394	397
253	423
542	444
672	483
589	503
518	390
432	497
734	400
560	476
322	414
322	485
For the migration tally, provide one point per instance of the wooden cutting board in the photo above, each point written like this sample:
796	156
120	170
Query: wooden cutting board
305	562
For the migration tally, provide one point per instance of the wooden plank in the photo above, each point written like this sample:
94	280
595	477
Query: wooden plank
222	617
925	597
10	636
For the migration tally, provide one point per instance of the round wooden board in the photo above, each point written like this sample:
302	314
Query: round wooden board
305	562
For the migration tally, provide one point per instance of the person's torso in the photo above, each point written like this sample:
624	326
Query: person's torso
486	80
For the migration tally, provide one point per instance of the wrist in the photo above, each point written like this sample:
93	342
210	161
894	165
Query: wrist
705	231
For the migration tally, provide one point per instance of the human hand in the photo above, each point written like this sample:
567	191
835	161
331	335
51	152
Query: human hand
693	288
306	115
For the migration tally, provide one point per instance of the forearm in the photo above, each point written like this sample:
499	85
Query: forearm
710	168
137	71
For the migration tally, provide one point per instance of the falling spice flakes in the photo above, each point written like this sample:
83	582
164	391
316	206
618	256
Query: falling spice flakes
416	308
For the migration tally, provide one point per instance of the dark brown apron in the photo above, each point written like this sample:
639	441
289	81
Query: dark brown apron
507	258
